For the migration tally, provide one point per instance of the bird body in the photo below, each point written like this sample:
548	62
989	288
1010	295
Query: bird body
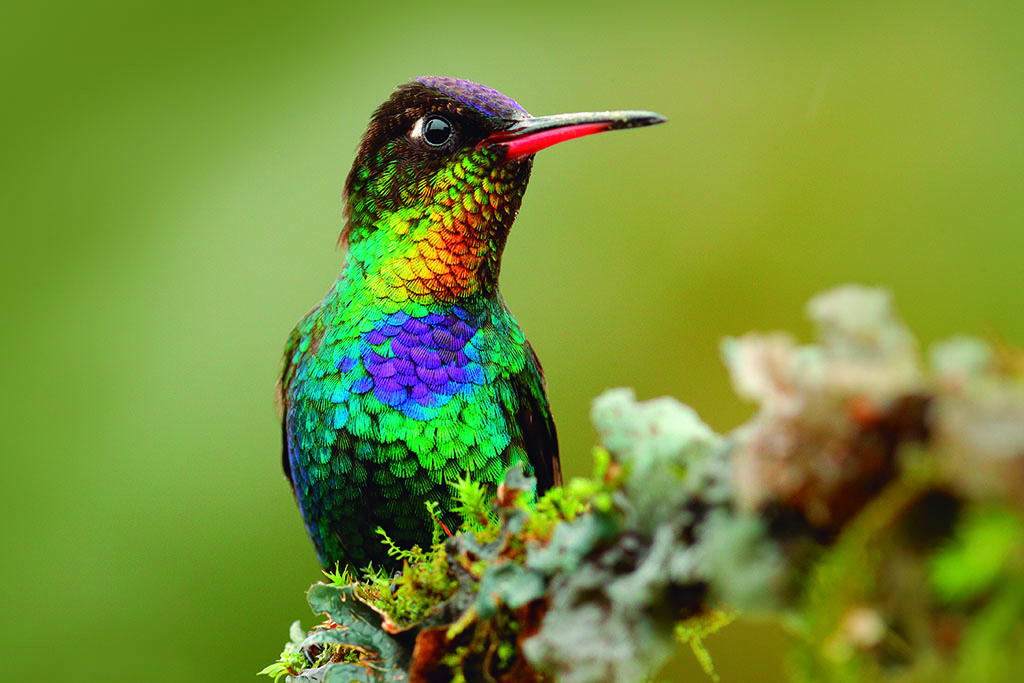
412	372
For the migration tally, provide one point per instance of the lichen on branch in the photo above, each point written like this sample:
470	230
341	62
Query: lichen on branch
875	501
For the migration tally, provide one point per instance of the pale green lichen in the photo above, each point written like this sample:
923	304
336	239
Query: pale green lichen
873	502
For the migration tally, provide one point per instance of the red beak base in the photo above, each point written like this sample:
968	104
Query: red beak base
525	137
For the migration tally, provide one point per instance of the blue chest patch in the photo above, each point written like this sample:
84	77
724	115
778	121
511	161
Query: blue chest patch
418	364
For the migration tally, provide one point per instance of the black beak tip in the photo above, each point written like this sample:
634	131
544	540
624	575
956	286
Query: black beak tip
639	119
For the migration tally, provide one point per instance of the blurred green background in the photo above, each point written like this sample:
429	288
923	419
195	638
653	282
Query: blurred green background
171	198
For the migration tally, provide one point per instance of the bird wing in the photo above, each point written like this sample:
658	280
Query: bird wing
284	383
293	350
537	426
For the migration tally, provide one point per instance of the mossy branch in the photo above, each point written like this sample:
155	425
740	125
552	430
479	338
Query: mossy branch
875	503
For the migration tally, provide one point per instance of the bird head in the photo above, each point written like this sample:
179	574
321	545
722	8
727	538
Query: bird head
445	162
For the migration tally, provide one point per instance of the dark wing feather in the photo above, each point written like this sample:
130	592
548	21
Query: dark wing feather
284	383
537	427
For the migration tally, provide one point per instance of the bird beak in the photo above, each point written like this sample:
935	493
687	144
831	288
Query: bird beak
528	136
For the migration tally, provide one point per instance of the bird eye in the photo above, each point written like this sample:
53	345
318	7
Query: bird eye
436	131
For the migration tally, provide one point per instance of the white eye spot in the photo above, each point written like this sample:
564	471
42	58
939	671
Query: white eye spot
417	129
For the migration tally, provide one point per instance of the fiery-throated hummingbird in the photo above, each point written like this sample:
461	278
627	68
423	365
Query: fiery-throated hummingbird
412	372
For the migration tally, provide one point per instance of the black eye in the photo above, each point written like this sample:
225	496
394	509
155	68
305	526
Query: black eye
436	131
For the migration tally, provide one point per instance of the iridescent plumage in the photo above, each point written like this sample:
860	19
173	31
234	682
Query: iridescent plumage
412	372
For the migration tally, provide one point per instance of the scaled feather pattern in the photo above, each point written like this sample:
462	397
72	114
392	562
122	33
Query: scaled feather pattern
412	372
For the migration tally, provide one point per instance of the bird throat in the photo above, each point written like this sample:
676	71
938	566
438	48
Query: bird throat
439	239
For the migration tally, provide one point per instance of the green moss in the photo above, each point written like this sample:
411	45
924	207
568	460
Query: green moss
871	502
694	630
986	546
291	661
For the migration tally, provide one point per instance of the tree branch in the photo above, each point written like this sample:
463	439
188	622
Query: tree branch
874	500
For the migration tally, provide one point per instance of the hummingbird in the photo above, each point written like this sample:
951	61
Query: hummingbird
412	372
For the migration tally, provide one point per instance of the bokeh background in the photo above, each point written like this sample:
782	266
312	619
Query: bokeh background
171	180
